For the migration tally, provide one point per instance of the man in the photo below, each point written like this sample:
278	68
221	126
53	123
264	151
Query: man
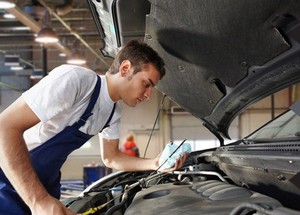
58	115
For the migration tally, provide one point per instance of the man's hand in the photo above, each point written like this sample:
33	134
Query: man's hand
50	206
179	163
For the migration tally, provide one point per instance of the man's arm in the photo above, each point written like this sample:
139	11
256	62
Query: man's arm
15	160
113	158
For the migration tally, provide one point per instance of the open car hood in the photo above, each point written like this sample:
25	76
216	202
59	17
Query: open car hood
221	56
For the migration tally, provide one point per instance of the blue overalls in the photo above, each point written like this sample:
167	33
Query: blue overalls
48	159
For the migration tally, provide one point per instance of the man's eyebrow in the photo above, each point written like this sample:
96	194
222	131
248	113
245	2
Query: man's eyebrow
151	82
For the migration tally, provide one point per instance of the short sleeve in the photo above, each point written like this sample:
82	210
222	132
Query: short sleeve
55	93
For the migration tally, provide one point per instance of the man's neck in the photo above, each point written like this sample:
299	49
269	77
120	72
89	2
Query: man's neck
112	86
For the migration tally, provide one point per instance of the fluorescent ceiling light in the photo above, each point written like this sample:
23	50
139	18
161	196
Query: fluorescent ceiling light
21	28
76	59
9	16
37	74
6	4
16	68
11	60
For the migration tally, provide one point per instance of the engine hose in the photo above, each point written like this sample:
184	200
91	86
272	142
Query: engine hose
124	195
248	206
118	206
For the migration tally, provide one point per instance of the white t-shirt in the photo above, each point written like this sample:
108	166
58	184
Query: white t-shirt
60	99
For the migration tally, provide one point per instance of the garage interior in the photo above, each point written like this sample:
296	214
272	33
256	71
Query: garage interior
77	33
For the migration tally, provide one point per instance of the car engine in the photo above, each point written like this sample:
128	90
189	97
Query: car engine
201	187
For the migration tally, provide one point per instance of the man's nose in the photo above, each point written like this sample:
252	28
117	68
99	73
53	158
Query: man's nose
148	93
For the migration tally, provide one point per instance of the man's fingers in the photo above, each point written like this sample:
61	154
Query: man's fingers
178	164
182	160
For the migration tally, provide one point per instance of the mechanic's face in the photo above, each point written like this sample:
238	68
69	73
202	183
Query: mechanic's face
139	86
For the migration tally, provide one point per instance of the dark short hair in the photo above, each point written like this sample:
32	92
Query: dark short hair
139	54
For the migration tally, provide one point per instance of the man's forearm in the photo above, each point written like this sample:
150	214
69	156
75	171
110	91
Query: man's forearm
15	163
125	162
113	158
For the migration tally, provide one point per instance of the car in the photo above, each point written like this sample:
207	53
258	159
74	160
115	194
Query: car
221	57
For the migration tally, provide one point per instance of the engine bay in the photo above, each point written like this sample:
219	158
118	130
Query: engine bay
201	187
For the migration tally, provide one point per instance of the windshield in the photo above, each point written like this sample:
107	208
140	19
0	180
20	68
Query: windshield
284	126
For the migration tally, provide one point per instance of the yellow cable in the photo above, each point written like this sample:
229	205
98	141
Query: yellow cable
95	209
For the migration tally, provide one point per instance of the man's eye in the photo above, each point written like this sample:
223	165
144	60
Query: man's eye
147	84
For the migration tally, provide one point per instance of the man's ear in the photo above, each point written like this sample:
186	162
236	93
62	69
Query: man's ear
125	67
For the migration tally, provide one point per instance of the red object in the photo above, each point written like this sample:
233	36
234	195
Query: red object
130	148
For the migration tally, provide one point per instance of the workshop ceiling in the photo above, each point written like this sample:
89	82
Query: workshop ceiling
74	26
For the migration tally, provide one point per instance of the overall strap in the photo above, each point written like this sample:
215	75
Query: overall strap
111	115
88	112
